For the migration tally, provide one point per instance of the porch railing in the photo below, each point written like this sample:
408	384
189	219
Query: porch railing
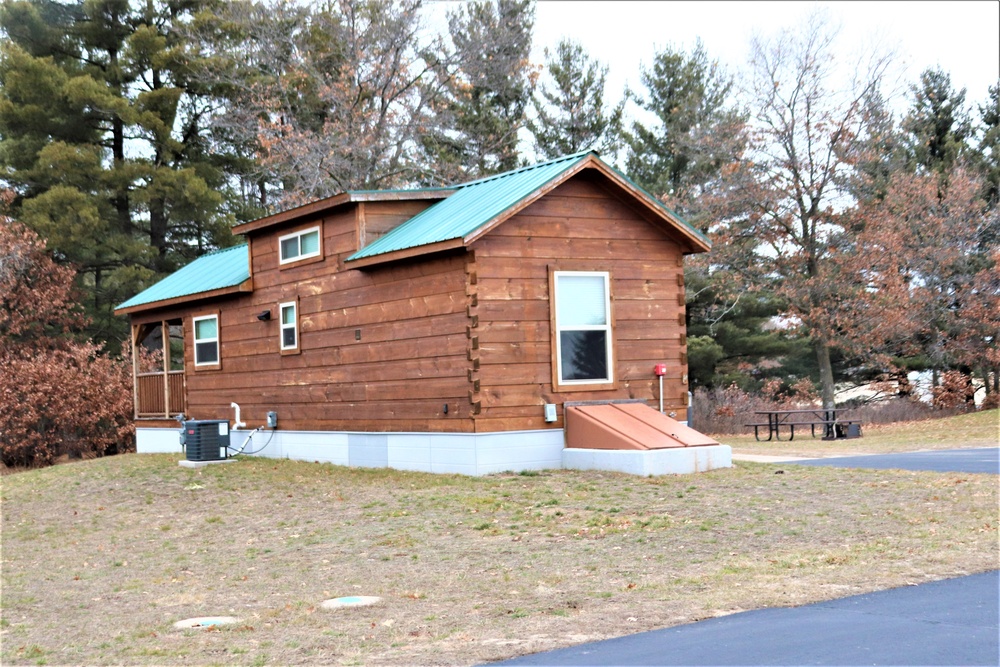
159	394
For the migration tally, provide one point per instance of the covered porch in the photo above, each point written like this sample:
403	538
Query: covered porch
158	369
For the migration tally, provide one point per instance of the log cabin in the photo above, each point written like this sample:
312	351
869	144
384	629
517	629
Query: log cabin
461	329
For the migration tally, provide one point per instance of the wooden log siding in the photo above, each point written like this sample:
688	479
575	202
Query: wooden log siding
387	347
580	224
411	359
378	217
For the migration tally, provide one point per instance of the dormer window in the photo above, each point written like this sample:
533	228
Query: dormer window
299	245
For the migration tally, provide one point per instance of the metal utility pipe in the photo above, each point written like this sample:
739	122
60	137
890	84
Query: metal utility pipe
239	424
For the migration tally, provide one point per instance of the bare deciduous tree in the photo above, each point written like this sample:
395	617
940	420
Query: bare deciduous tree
785	197
326	99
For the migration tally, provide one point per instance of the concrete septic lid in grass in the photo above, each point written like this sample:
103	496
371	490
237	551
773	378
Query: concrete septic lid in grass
205	622
351	601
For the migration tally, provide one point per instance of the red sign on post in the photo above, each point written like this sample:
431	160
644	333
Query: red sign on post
660	369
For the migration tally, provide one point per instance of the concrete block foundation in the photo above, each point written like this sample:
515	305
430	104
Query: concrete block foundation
674	461
462	453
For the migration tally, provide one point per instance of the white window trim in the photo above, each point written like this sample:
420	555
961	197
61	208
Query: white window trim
299	234
294	325
606	327
194	335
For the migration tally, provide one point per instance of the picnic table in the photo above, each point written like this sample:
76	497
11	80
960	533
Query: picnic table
833	425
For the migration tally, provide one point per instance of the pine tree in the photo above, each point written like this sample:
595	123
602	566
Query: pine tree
731	339
989	146
938	126
105	143
695	134
488	82
571	114
878	155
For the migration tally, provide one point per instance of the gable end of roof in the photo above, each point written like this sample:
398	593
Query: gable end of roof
478	206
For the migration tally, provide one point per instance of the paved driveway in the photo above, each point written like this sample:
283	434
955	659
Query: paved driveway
950	622
986	460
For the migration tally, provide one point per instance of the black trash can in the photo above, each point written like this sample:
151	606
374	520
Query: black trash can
842	431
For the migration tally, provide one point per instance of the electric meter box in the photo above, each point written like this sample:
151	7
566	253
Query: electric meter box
206	439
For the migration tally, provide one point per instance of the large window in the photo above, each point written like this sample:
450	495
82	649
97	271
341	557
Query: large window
299	245
582	327
289	326
206	340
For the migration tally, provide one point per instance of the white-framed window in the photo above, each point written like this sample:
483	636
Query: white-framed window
206	340
299	245
583	327
289	316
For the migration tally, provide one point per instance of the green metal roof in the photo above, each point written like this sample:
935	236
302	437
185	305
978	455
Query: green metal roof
476	203
473	205
216	270
469	207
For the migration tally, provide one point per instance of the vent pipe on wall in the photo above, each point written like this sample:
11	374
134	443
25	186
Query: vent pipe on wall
239	424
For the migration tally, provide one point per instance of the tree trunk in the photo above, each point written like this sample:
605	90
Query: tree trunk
120	199
158	232
825	373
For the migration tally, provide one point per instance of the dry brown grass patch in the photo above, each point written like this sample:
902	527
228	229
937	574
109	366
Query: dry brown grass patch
976	429
101	557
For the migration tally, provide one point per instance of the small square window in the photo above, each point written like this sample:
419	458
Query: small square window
289	326
206	340
299	245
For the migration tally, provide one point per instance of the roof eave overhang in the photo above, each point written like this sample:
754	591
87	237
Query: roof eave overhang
698	243
245	286
405	253
330	203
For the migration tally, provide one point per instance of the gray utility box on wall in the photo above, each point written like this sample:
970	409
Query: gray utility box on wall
206	439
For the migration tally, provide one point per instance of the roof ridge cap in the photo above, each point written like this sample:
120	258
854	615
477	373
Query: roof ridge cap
520	170
219	251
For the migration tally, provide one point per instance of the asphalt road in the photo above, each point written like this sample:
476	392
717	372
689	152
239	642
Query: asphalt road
949	622
984	460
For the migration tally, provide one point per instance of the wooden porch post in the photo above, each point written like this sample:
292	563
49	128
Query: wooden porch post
135	370
165	336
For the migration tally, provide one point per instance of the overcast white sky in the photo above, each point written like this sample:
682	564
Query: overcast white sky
963	38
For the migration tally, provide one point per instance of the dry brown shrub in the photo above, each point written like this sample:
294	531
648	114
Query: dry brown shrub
991	402
58	396
955	390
